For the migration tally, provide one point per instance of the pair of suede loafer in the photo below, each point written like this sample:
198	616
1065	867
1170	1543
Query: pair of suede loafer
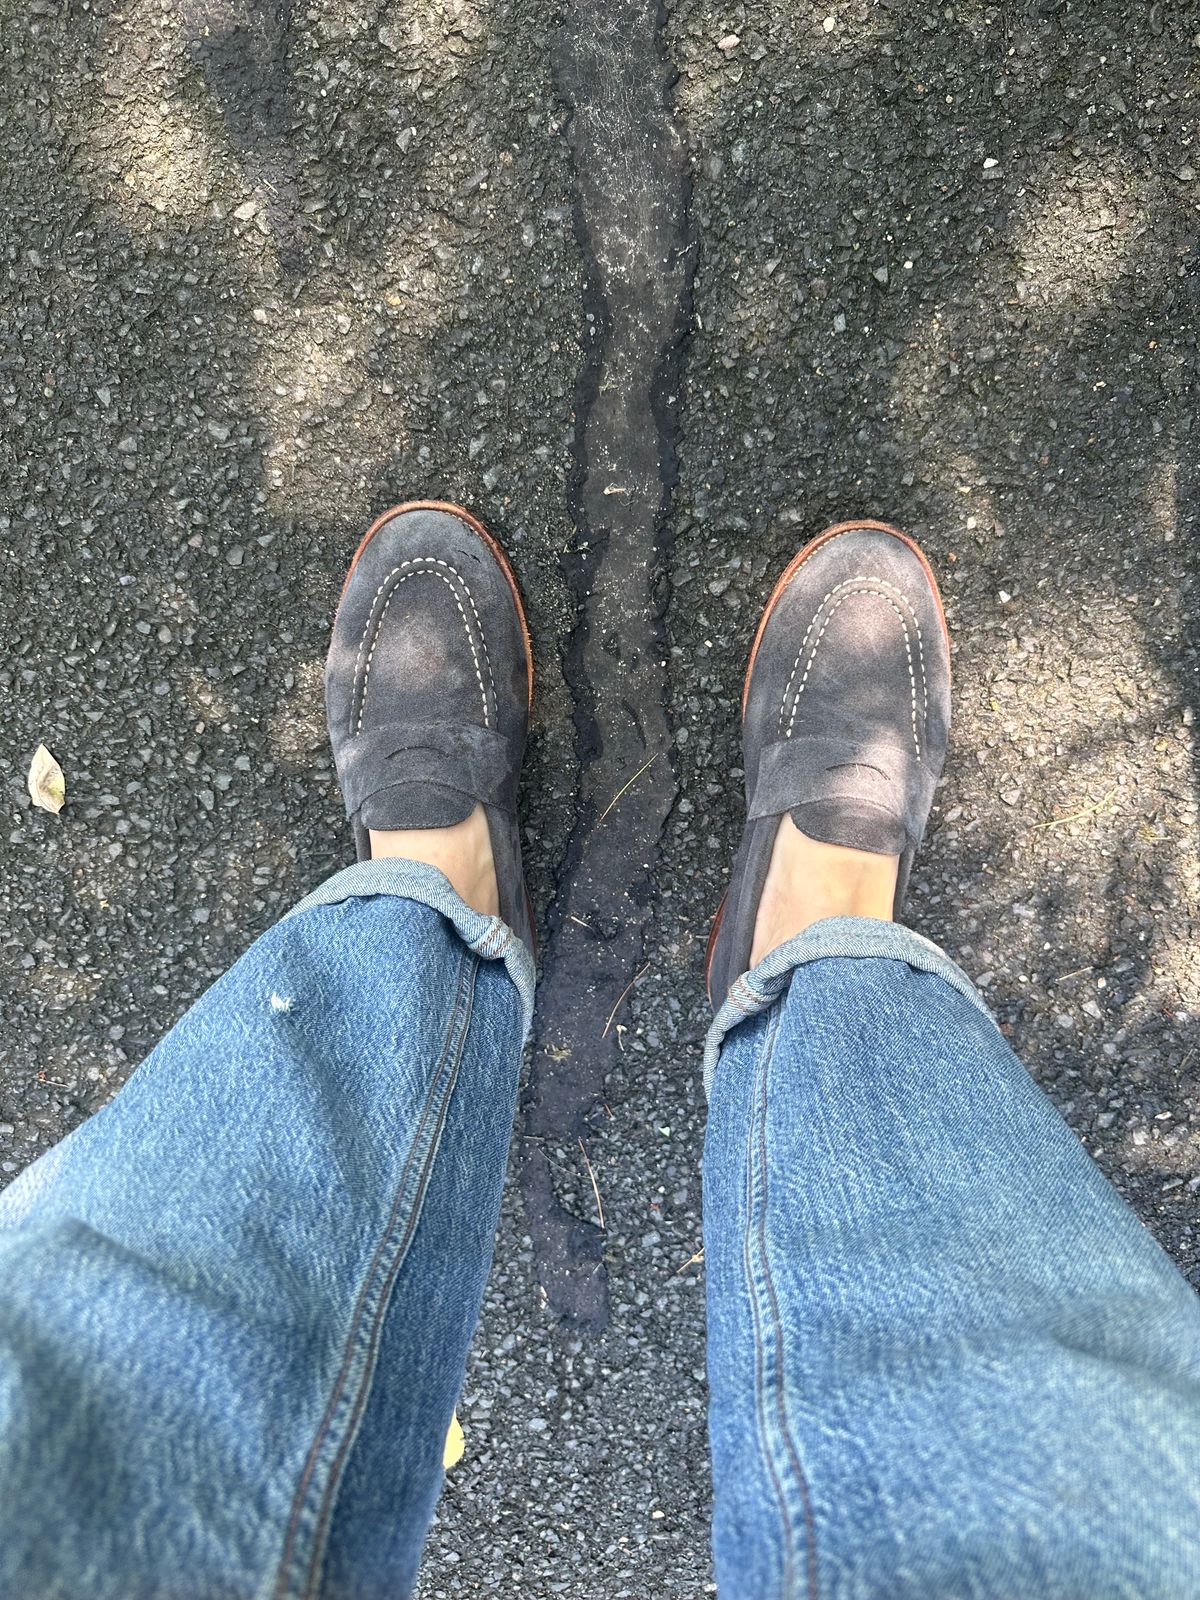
845	707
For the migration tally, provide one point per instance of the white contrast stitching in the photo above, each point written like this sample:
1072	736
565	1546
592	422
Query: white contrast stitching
482	637
417	561
882	583
423	562
877	584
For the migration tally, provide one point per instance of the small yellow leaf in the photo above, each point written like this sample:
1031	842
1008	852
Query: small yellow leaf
47	786
455	1444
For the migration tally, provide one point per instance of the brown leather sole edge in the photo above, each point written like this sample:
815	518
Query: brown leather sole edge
789	572
477	528
712	945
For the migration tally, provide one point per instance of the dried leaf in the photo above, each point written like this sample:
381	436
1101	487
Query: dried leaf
455	1444
47	786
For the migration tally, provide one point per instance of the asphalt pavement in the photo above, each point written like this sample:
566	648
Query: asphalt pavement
265	270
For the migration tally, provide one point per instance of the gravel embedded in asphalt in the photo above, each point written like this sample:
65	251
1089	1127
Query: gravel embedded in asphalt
948	276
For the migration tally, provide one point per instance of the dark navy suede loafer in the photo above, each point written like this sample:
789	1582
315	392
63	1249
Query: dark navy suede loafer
845	716
428	686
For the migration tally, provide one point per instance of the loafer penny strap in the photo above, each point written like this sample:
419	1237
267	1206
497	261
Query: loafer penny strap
828	770
472	760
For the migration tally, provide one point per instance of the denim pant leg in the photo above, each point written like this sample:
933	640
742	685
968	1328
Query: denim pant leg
235	1305
946	1360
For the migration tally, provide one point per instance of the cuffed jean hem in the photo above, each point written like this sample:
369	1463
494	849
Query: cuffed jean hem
838	937
488	937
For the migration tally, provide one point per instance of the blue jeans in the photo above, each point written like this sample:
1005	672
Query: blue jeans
235	1306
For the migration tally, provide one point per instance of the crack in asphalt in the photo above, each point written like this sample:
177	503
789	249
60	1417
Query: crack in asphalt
631	214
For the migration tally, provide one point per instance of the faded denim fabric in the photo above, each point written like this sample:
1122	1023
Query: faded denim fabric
235	1305
946	1361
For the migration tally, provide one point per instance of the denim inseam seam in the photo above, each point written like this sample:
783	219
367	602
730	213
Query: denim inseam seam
363	1397
505	936
736	999
762	1281
362	1341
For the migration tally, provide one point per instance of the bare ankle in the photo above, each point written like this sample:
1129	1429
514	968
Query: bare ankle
463	852
808	881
